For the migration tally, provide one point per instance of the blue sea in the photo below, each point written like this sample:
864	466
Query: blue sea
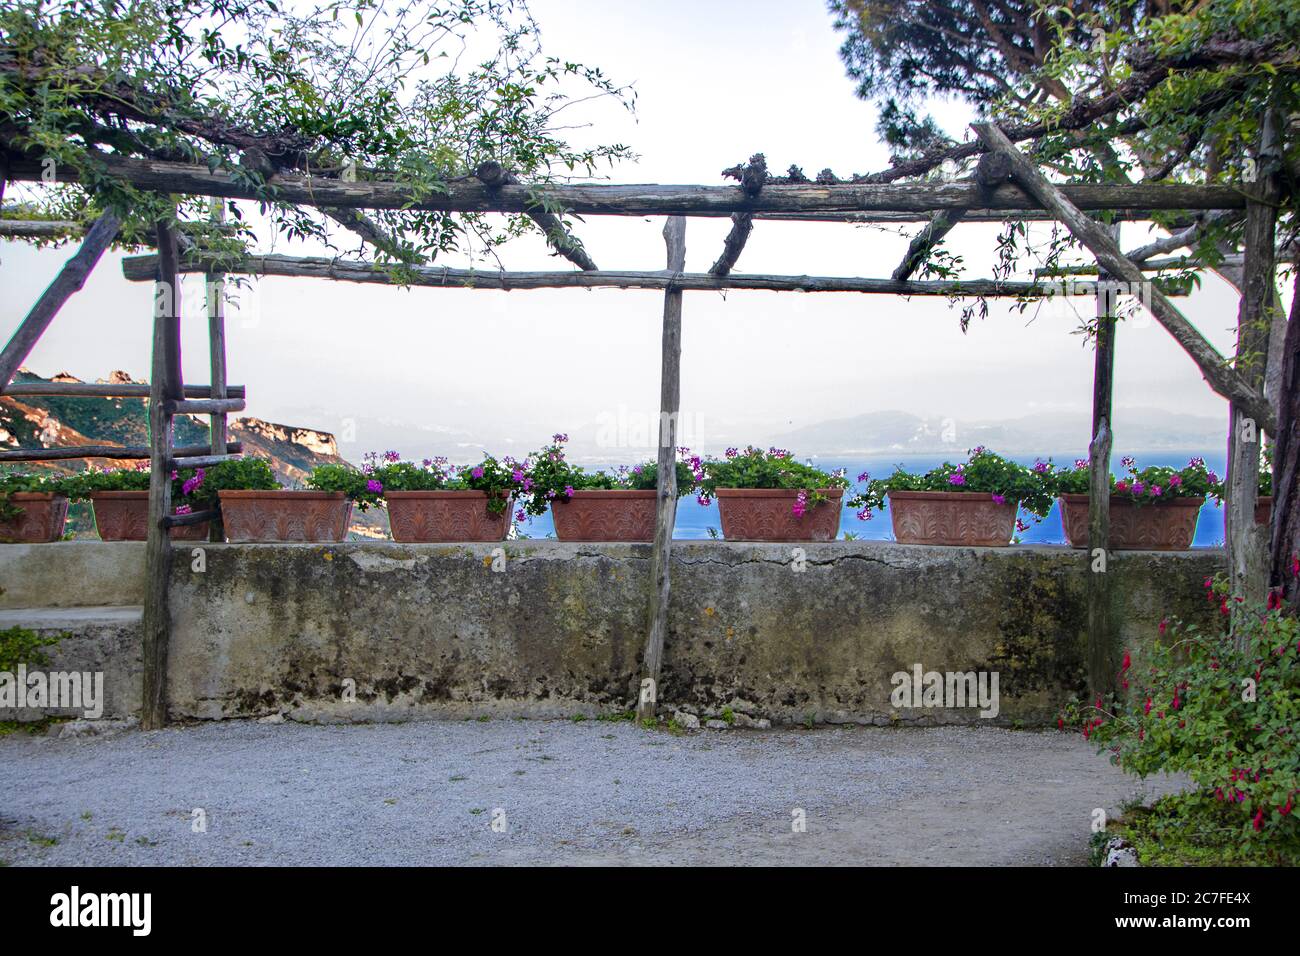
694	520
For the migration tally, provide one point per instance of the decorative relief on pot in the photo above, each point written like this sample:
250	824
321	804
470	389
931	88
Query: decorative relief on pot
767	514
1167	526
415	516
613	515
967	518
266	516
41	520
124	516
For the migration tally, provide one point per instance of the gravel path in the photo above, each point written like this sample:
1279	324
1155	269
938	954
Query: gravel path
580	793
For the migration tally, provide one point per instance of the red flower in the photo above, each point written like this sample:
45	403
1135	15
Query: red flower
1147	708
1164	625
1274	600
1259	820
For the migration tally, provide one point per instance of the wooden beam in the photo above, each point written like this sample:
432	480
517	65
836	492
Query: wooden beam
493	175
104	390
143	268
215	283
993	171
116	452
638	200
666	510
1245	540
198	461
1223	379
165	384
1101	630
752	176
192	517
68	282
40	229
204	406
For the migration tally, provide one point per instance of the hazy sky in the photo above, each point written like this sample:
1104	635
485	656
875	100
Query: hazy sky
508	369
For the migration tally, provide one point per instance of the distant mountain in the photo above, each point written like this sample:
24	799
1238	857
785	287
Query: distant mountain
897	432
57	421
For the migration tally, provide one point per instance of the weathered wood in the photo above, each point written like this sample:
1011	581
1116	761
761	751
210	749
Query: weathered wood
204	406
102	390
992	171
198	461
193	517
1101	630
1246	541
216	307
666	510
493	175
643	200
165	384
1284	537
117	452
68	282
752	175
39	229
142	268
1224	380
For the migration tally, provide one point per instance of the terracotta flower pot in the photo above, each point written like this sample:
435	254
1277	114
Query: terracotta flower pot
124	516
615	514
41	520
1165	526
969	518
445	516
767	514
1263	509
266	516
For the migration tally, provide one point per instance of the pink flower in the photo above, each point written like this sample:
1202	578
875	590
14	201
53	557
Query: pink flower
520	516
477	472
568	491
957	479
1156	491
999	500
1175	481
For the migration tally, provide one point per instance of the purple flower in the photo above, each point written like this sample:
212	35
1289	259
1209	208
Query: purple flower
374	485
477	472
520	516
999	500
1138	488
183	509
957	479
1041	467
1080	463
568	491
704	502
864	477
1214	479
559	439
1156	491
392	456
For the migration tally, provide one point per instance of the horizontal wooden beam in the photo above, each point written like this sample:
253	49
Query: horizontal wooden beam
40	229
104	390
67	452
640	200
198	461
141	269
193	517
204	406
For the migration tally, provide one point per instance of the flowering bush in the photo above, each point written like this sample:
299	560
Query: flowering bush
234	474
359	487
185	483
1266	472
984	471
774	468
553	476
1224	712
1156	483
501	480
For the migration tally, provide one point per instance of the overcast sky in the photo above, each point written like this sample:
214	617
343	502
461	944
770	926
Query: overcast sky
716	82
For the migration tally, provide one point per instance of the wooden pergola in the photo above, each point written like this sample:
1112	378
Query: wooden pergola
1006	185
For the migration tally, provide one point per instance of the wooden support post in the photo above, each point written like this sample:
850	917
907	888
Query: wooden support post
1101	633
164	387
666	511
215	285
1223	379
1247	542
69	280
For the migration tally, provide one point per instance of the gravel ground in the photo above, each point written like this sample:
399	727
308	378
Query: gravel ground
572	793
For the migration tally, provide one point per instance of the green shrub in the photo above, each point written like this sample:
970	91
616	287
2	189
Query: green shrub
233	474
774	468
18	645
1224	712
363	490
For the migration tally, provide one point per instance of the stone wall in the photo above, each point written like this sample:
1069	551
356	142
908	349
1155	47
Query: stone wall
433	630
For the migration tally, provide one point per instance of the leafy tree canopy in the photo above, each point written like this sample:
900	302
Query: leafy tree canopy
418	92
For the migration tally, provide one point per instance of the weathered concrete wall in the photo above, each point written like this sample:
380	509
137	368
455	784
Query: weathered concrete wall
432	630
72	574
